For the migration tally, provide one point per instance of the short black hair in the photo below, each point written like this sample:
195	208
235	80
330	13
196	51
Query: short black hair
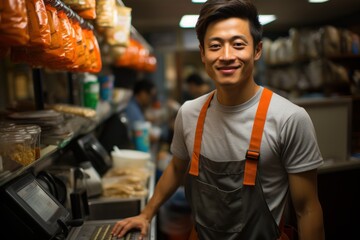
143	84
195	78
214	10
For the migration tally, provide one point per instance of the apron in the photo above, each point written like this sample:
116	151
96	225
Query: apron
226	197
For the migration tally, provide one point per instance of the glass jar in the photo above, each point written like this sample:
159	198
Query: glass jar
16	151
34	131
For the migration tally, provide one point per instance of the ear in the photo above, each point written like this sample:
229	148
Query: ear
258	51
202	53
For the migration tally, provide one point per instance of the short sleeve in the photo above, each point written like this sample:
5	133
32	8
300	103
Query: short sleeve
300	151
178	145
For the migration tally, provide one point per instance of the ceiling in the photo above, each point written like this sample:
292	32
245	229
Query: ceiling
150	16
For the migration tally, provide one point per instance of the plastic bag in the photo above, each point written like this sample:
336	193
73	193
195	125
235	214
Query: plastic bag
80	47
105	12
119	35
94	52
69	41
84	8
38	24
13	23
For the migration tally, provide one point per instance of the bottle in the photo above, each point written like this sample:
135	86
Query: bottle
91	90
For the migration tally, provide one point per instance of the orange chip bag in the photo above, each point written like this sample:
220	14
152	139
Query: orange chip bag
13	23
39	30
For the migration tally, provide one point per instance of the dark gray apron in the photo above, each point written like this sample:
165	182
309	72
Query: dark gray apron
222	206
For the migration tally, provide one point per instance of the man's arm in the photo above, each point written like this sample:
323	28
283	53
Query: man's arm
169	181
304	195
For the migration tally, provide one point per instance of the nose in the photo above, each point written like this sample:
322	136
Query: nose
227	53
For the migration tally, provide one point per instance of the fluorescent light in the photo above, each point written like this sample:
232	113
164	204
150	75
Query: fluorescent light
189	21
317	1
265	19
198	1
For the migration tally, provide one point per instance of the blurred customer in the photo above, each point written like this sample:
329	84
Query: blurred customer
195	86
144	95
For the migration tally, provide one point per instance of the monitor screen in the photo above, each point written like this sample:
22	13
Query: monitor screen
34	206
38	200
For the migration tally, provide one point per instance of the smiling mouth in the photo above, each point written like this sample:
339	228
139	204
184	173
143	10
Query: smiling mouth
227	69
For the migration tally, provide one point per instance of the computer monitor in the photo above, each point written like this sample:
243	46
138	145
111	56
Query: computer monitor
27	203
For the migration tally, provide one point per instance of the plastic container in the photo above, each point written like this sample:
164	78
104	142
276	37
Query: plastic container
106	87
127	158
141	136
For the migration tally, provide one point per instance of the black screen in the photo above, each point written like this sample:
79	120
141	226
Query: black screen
38	200
36	208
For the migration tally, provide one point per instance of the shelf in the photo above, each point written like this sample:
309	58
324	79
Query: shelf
337	166
50	151
45	153
351	61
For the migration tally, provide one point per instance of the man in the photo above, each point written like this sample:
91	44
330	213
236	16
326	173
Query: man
144	93
195	86
242	149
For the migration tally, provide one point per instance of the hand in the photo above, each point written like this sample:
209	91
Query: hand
123	226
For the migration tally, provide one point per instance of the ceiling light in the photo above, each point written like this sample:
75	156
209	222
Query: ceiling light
265	19
189	21
317	1
198	1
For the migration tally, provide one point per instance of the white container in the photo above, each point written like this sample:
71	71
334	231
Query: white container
126	158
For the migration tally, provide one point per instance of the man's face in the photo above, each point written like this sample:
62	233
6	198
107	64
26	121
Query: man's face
228	53
146	98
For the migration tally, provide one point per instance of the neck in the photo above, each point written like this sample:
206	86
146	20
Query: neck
230	96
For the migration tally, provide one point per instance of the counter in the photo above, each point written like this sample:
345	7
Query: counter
110	208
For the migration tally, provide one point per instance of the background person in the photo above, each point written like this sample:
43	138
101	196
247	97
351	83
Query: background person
195	87
144	95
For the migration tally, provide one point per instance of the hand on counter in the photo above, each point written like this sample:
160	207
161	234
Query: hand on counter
137	222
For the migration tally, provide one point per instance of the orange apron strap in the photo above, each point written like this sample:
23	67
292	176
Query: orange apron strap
194	167
253	154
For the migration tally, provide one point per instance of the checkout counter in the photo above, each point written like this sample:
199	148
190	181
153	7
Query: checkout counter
30	210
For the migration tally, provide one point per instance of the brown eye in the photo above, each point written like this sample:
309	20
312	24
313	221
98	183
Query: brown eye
214	46
239	45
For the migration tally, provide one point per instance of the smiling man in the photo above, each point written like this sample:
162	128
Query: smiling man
243	150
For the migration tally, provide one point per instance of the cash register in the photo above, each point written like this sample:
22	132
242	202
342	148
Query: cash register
29	211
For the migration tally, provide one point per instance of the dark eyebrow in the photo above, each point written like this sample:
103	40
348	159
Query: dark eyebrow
242	37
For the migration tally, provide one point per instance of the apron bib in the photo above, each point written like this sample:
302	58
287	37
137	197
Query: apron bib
226	197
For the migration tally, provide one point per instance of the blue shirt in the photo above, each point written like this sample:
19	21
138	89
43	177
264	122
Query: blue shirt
133	112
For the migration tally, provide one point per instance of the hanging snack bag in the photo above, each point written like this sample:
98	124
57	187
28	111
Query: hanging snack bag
13	23
84	8
80	48
39	30
105	12
69	42
119	35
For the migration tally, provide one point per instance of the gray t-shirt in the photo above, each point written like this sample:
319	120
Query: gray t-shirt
288	144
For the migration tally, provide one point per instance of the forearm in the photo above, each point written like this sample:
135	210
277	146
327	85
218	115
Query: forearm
310	225
169	181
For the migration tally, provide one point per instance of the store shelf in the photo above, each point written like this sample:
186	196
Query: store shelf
337	166
45	153
51	151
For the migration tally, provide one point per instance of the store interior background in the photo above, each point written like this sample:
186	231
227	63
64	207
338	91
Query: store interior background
334	105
